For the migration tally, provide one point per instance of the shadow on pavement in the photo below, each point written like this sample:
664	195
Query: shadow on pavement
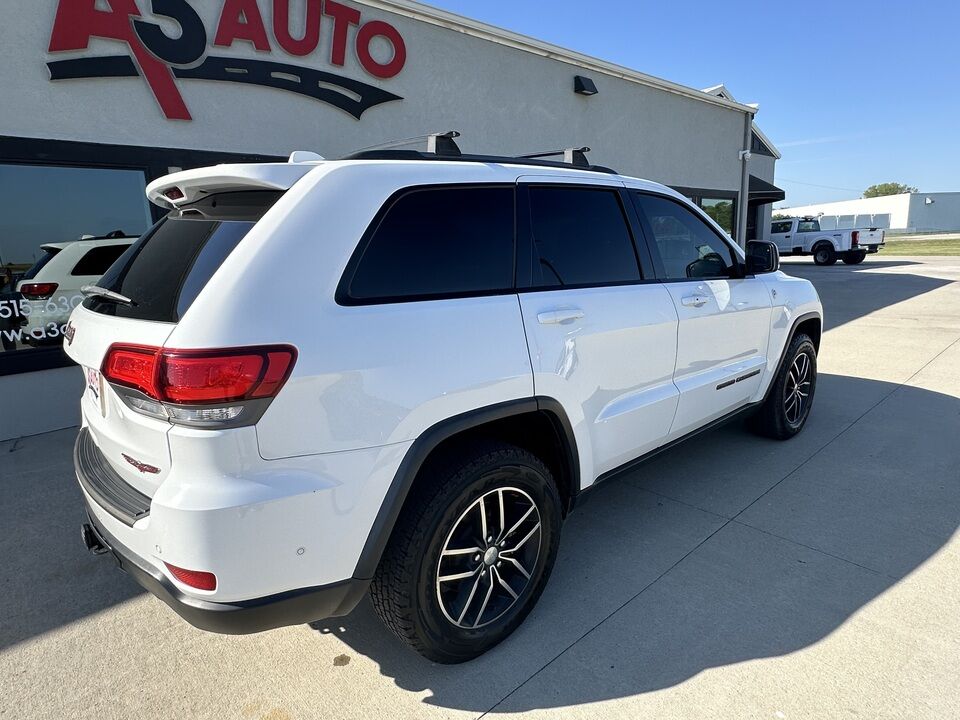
849	292
798	559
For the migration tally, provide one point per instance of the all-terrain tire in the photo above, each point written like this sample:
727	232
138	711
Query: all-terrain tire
778	418
824	254
441	518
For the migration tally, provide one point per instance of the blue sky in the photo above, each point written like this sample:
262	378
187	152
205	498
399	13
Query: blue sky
852	93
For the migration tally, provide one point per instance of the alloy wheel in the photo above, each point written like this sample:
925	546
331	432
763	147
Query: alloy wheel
797	389
489	557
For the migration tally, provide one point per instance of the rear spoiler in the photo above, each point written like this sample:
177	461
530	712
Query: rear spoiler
187	186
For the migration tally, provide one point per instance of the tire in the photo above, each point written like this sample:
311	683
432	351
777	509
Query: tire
824	254
779	417
458	619
854	257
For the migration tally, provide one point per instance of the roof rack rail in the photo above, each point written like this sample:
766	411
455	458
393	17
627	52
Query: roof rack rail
571	156
443	146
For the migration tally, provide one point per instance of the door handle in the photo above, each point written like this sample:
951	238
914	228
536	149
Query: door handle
695	300
555	317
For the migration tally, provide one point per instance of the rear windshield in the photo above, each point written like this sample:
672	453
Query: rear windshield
165	270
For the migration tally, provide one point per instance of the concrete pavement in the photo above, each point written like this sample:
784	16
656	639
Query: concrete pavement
731	577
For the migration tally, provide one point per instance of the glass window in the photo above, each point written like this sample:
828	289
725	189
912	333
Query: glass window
721	210
581	238
808	226
99	259
44	211
688	247
164	271
438	242
781	226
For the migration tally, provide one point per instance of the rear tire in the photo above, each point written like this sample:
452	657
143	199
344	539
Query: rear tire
824	254
787	406
854	257
498	503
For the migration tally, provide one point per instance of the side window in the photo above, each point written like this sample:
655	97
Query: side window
581	237
808	226
436	242
98	260
688	247
781	226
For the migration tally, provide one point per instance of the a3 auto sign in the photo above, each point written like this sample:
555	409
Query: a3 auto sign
163	60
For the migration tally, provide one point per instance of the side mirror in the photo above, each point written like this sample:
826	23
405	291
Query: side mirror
762	257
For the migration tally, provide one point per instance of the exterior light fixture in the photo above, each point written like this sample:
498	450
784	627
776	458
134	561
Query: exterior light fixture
584	86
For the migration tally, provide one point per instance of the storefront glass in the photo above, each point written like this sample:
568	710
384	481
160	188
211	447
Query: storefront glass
60	229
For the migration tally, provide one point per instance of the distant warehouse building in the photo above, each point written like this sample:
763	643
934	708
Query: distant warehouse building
907	212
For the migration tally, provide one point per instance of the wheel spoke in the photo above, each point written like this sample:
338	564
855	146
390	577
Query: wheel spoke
486	599
458	576
517	565
503	514
520	521
462	551
483	518
504	584
473	591
521	543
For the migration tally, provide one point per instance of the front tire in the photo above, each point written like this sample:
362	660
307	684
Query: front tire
854	257
471	552
824	254
787	406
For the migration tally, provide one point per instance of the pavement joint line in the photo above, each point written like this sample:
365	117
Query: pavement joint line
725	524
817	550
16	440
679	502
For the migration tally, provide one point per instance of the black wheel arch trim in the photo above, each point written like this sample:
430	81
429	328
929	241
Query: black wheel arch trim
430	439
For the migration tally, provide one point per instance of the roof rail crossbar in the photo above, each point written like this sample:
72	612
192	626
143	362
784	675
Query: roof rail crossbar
571	156
437	144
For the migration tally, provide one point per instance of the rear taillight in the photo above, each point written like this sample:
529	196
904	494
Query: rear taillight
855	238
38	291
187	386
194	578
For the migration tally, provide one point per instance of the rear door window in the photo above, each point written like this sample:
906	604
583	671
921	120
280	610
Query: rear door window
165	270
436	242
581	238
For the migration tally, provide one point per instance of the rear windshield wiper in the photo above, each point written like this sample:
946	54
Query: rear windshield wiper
103	293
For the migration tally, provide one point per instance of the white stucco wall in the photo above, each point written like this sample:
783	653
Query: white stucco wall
504	100
888	212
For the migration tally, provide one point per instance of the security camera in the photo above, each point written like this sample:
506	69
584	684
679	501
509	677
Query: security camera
745	155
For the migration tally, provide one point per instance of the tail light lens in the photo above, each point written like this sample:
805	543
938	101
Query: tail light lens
187	385
855	238
38	291
194	578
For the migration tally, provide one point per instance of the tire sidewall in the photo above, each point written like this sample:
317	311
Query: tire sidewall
460	643
829	256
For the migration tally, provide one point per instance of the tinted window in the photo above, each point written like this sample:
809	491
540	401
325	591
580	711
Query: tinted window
782	226
166	269
809	226
98	260
687	245
48	255
439	242
581	238
721	210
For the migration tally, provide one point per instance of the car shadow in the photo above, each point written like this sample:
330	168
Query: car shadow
727	549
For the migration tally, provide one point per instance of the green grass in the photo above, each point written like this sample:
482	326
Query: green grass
950	246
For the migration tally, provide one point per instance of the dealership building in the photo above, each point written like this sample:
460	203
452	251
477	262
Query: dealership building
104	96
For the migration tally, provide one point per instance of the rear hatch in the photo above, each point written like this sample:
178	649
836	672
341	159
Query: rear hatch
133	310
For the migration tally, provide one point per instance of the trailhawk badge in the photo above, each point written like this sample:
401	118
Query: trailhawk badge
162	60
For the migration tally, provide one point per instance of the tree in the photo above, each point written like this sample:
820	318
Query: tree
887	188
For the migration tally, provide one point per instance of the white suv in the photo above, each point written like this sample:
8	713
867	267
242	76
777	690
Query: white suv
399	372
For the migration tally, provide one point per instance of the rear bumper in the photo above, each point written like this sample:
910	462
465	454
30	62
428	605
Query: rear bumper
294	607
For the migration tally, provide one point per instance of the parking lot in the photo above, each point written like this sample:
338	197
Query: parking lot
731	577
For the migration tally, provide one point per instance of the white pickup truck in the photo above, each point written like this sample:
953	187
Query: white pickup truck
803	236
